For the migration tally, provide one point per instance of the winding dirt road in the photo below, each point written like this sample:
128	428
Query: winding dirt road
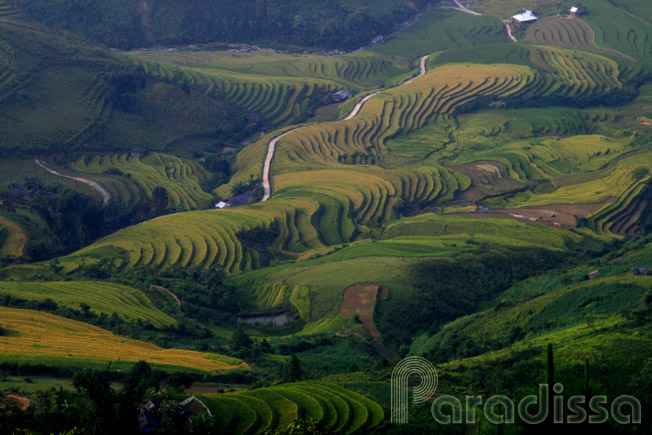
462	8
271	149
163	289
105	195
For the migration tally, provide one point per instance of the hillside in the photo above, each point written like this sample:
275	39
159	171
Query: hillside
333	24
474	200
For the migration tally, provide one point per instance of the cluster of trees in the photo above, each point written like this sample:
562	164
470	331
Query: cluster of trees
123	86
221	169
315	23
73	220
448	288
98	407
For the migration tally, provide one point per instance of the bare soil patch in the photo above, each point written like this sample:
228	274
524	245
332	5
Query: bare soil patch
360	300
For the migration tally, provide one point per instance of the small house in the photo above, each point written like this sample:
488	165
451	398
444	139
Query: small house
228	150
575	11
194	406
242	199
189	408
139	152
220	205
341	95
593	274
253	118
525	17
641	271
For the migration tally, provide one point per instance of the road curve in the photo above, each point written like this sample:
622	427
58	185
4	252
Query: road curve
105	195
271	150
268	164
460	7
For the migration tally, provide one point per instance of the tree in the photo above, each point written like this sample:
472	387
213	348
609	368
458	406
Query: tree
292	371
160	200
240	340
96	386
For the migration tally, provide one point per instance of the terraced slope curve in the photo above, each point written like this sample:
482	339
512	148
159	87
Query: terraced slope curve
129	179
257	411
102	297
40	337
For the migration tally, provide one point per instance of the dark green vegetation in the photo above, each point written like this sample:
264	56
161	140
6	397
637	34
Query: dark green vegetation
457	216
115	23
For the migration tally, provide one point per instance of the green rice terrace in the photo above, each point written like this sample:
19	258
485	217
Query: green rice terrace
273	229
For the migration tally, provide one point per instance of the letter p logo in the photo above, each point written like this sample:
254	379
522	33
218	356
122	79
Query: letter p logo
413	365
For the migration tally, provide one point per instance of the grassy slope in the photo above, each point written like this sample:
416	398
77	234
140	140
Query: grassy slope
181	178
107	298
13	239
57	88
345	202
443	29
41	338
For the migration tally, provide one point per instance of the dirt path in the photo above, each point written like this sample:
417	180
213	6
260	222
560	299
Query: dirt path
462	8
14	244
360	300
508	26
176	299
105	195
271	149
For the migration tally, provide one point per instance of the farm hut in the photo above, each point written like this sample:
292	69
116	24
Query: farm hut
194	406
220	205
238	200
189	408
641	271
341	95
575	11
593	274
139	152
525	17
228	150
253	118
147	422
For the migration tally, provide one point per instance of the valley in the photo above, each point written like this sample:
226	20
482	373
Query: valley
448	192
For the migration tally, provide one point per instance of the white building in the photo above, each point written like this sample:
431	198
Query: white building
221	205
525	17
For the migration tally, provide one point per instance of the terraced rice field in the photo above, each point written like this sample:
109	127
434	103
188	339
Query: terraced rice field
359	70
506	232
361	140
618	29
614	181
14	241
8	12
566	32
38	336
570	72
254	412
181	178
443	29
542	159
280	101
102	297
200	239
